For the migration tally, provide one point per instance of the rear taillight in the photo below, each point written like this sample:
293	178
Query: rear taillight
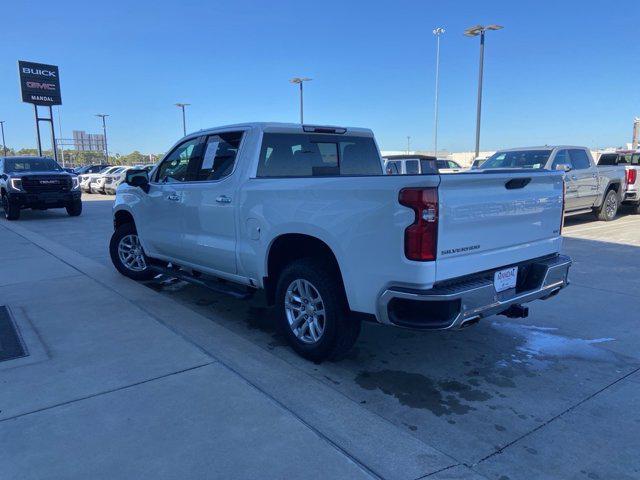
421	237
632	174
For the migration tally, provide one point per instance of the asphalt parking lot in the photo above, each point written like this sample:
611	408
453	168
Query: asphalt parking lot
551	396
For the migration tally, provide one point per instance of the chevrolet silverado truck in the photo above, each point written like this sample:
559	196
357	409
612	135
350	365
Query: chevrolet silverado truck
307	214
589	187
38	183
630	160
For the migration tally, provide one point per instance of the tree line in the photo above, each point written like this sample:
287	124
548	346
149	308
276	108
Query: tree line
76	158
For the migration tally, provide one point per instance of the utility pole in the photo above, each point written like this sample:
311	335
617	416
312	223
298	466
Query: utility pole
300	81
634	140
437	32
184	117
103	116
408	144
474	32
4	145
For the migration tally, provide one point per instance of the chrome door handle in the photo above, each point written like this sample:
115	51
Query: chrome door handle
174	197
223	199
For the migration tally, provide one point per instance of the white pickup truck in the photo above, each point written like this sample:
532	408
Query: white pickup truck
307	214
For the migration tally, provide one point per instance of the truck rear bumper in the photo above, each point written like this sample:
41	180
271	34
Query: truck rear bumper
459	302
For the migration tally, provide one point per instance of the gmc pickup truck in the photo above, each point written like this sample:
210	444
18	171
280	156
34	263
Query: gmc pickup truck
589	188
307	214
630	160
38	183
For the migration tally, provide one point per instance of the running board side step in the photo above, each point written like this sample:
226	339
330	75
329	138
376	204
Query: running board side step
212	283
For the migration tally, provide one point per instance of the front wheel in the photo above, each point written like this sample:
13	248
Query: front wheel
11	209
609	208
312	311
127	254
74	209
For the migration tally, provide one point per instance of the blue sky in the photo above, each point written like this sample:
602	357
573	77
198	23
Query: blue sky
559	72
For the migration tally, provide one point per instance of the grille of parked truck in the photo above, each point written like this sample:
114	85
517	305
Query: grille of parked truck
308	214
38	183
589	187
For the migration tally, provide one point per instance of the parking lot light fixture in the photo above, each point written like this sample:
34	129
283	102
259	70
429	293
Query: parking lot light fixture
479	30
437	32
184	117
300	81
103	116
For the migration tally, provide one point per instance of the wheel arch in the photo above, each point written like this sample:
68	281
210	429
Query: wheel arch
288	247
122	217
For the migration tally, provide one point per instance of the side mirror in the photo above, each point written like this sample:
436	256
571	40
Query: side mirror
565	167
137	178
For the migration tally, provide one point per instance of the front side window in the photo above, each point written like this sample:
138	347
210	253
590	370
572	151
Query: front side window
453	164
313	155
175	167
579	159
393	168
562	158
219	157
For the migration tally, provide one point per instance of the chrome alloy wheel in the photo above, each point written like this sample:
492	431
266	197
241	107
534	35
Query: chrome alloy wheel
611	206
305	312
131	254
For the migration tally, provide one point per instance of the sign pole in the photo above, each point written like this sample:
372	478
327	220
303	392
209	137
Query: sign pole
35	108
53	135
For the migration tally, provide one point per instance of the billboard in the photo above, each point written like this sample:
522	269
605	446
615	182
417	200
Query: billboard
39	83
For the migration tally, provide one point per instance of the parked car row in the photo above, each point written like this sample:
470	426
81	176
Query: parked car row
105	180
600	188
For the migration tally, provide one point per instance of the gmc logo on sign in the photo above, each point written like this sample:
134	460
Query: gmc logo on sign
48	182
41	86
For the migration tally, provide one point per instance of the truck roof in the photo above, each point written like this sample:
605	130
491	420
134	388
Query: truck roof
542	147
289	127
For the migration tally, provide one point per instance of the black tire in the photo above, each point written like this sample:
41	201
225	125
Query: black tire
11	210
118	236
609	208
75	208
340	329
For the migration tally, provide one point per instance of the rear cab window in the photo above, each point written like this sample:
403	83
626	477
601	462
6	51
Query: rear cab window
317	155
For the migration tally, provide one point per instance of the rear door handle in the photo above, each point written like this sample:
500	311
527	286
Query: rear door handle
223	199
173	197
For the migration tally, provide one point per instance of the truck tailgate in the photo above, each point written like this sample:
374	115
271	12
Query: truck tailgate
490	220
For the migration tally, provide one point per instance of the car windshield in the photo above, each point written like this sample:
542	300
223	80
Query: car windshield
31	165
518	159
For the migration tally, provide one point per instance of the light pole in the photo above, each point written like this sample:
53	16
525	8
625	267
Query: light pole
103	116
4	145
300	81
184	118
408	144
437	32
474	32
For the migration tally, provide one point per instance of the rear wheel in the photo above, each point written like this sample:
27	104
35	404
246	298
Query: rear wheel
127	254
75	208
313	313
609	208
11	209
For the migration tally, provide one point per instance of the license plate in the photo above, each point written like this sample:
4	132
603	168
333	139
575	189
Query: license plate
505	279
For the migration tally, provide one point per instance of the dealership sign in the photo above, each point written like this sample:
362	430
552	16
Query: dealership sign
39	83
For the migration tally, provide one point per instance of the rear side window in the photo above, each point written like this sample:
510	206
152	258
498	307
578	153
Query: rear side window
219	157
313	155
579	159
608	159
412	167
